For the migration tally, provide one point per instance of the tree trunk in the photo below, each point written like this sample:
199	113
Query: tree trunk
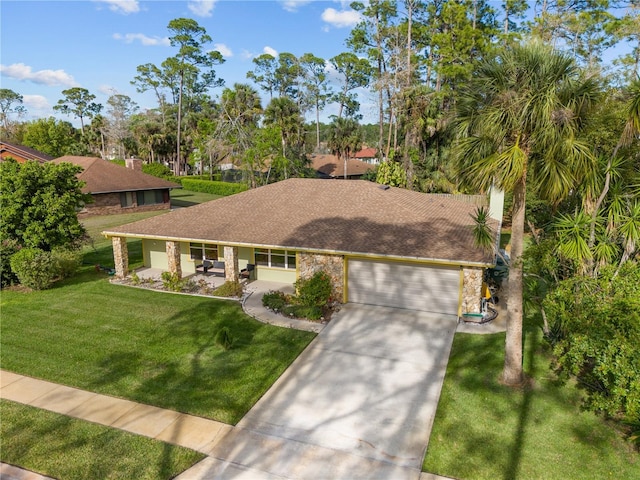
512	374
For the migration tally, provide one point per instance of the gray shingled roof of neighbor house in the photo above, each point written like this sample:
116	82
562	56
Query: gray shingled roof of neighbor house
342	216
102	176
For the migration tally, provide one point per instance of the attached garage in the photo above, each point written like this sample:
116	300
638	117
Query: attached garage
404	285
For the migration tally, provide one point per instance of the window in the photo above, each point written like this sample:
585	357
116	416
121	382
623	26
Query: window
203	251
275	258
126	199
150	197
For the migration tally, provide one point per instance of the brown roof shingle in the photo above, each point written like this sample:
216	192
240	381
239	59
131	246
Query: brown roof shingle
332	166
102	176
351	216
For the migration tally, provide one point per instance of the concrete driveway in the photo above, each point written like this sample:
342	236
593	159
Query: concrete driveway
358	403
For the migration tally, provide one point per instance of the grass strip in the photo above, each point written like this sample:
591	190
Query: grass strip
151	347
66	448
484	430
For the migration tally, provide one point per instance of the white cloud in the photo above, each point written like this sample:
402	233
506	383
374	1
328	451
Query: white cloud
223	49
340	19
246	55
271	51
201	8
122	6
35	102
143	39
293	5
20	71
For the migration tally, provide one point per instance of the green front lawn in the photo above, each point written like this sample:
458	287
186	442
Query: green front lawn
70	449
152	347
484	430
186	198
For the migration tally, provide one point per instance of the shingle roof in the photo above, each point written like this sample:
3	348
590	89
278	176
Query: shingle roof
102	176
369	152
349	216
21	152
332	166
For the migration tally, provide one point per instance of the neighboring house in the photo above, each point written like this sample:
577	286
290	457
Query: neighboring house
21	153
380	245
330	166
118	189
367	155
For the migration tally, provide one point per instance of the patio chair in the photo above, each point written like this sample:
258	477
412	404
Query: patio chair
248	272
204	267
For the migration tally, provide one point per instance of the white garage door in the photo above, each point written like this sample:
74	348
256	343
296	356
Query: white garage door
404	285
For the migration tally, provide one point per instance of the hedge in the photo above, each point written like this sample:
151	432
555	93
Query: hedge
215	188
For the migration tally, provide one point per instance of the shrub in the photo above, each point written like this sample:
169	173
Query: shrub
157	170
66	261
224	338
229	289
598	325
215	188
34	267
172	281
8	248
275	300
314	291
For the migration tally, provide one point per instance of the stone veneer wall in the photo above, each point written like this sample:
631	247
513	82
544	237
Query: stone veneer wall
333	265
120	256
173	257
231	264
472	290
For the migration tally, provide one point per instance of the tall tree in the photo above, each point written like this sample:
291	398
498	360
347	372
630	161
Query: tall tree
316	86
51	136
119	109
79	103
282	112
344	139
10	103
193	65
356	73
517	124
264	74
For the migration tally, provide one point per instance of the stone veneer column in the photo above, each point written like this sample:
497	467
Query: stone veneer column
173	257
333	265
231	271
471	290
120	256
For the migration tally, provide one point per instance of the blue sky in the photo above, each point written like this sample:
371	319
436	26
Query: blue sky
48	46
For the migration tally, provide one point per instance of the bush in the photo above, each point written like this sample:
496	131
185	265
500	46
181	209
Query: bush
66	261
229	289
172	281
314	291
215	188
275	300
157	170
7	249
34	267
598	325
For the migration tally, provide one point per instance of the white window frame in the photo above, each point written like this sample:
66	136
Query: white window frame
270	264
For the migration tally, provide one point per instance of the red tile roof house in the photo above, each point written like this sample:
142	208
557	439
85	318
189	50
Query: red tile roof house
330	166
380	245
118	189
21	153
368	155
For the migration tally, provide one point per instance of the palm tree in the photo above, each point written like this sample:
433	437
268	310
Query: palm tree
516	123
344	139
283	113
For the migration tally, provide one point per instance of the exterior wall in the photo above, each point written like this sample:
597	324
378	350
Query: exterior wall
333	265
275	275
109	204
155	254
471	290
245	256
187	264
120	256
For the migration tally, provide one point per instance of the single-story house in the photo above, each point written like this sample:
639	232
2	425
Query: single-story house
367	155
330	166
22	154
380	245
118	189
